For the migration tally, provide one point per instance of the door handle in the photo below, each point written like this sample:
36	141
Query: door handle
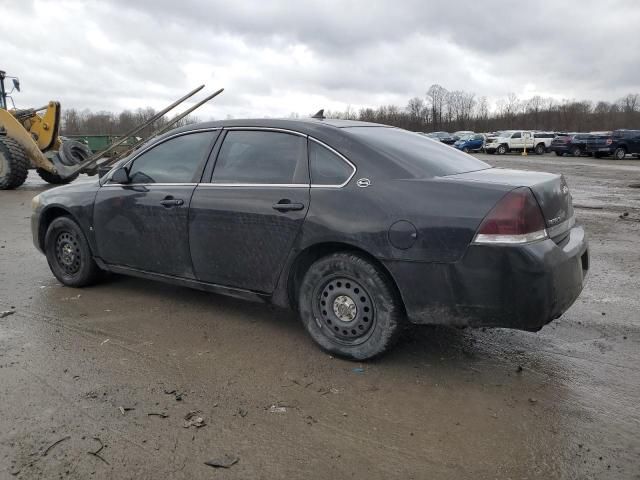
286	206
169	202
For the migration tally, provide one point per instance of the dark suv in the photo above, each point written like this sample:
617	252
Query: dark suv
573	143
618	143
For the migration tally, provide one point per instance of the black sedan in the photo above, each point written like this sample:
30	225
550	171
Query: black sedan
360	227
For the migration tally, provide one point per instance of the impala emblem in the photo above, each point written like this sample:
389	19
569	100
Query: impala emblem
363	182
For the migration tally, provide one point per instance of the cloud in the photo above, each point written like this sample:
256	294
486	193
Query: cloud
278	57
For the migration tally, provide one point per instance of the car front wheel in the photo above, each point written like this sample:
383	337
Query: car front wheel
69	255
502	149
349	307
619	153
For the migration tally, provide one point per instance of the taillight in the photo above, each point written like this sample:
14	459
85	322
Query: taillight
516	218
609	141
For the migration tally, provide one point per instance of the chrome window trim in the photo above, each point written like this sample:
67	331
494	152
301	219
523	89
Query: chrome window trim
256	185
344	159
126	164
269	129
150	184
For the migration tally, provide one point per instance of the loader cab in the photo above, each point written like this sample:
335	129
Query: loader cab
3	92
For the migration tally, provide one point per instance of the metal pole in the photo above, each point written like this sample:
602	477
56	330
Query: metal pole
166	127
66	171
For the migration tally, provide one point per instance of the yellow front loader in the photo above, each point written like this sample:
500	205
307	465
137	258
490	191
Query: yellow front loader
29	140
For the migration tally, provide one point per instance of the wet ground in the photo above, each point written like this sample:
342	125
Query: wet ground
110	372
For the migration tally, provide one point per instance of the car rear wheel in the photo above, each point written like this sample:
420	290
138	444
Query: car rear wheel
619	153
576	152
349	307
540	149
69	255
502	149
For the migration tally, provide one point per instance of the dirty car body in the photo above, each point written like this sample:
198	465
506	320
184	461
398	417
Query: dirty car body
250	207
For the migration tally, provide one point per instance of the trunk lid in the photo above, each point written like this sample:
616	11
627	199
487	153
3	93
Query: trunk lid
549	189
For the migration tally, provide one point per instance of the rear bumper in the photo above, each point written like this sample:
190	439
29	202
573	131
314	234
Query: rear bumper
522	287
603	149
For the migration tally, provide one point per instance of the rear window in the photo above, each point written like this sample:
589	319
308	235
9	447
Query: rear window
419	155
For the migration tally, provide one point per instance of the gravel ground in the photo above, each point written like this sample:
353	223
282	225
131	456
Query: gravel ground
111	372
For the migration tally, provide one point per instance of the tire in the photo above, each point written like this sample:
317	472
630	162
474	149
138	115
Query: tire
14	164
502	149
349	307
576	151
620	153
540	149
54	178
69	255
597	155
559	154
465	149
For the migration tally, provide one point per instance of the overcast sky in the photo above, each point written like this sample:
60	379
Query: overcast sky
274	57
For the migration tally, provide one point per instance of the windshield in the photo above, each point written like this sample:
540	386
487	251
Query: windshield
466	137
420	156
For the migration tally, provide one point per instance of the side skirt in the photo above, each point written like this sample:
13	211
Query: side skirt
184	282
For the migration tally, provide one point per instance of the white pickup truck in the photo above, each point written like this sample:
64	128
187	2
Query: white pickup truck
517	140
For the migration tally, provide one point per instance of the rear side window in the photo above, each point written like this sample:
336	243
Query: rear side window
326	167
262	157
419	155
177	160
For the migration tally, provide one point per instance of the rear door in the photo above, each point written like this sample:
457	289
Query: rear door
244	222
143	224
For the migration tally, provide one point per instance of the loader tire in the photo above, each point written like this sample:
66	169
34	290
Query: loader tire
14	164
54	178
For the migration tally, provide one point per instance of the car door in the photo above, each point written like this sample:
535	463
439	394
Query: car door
143	224
244	222
634	141
516	140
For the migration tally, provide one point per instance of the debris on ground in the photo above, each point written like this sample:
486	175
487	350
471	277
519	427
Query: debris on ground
242	412
105	341
533	400
6	313
178	395
48	449
97	452
157	414
223	461
519	369
193	419
277	409
358	370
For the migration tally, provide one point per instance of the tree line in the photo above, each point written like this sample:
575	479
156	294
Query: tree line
439	109
86	122
451	110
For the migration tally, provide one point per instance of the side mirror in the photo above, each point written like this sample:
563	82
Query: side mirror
103	170
16	84
121	176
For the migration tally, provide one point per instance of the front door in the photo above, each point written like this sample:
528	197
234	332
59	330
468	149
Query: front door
143	224
243	224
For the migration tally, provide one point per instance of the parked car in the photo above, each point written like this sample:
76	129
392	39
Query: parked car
470	143
571	143
444	137
518	140
462	133
359	227
617	143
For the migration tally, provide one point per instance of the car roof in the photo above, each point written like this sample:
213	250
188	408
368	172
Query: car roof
303	125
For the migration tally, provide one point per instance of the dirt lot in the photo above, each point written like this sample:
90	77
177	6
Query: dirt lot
122	363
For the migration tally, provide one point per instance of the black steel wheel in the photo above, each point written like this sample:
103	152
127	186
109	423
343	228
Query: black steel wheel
68	254
350	307
346	310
